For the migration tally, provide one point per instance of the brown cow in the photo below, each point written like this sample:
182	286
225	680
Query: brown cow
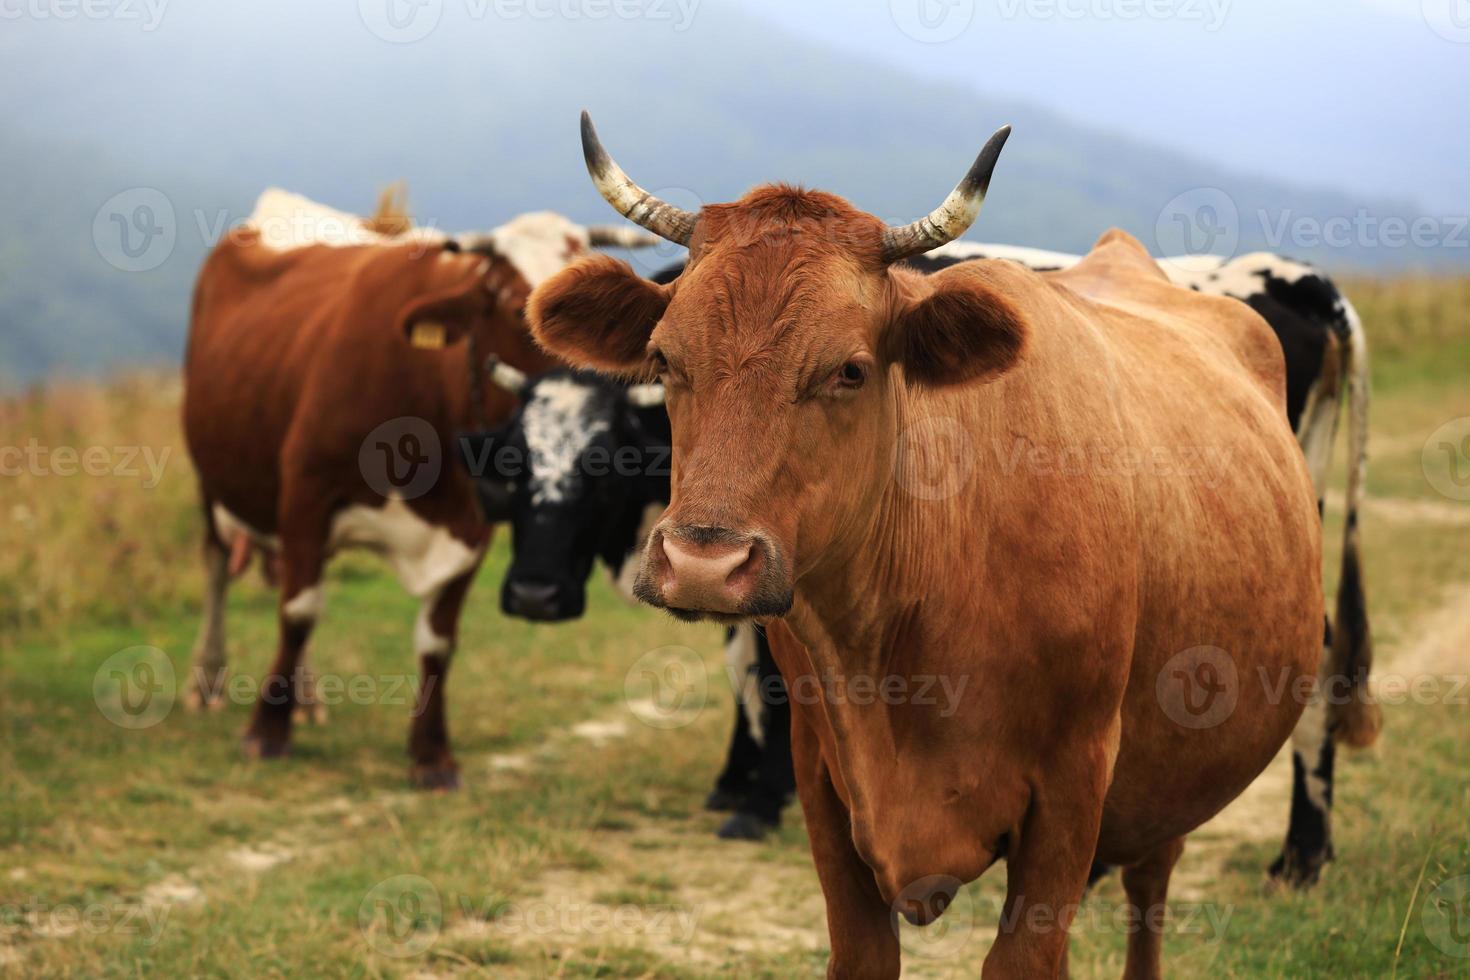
315	425
883	459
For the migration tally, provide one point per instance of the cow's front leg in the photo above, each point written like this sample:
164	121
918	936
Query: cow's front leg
1048	866
1147	885
860	925
435	635
269	734
207	672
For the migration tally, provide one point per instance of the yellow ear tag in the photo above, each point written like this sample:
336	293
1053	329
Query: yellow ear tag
428	335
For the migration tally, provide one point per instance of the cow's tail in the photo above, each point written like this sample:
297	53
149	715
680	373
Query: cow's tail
1354	718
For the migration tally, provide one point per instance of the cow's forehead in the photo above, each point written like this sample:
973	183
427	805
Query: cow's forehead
561	418
539	244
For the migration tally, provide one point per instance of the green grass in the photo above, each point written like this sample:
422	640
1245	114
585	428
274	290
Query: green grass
97	821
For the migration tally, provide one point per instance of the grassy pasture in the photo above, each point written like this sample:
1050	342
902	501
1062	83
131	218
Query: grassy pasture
576	847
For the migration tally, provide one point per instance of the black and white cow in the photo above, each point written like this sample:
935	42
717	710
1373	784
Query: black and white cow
580	472
1326	364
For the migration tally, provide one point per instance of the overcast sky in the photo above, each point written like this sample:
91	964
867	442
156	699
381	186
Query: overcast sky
1370	96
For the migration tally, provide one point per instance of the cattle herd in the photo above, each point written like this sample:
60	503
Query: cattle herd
1052	484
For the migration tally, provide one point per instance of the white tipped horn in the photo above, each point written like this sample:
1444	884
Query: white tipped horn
511	379
646	395
955	213
617	236
630	200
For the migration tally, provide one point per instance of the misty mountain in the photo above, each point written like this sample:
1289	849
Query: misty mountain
121	129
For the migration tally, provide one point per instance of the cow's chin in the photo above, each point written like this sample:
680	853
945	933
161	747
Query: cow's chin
764	604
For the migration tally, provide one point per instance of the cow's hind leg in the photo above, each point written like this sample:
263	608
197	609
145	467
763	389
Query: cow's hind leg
1309	833
304	529
1147	886
435	635
206	681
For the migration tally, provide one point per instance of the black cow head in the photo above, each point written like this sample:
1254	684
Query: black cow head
572	472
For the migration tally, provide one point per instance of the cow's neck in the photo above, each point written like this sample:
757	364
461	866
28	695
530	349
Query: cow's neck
889	613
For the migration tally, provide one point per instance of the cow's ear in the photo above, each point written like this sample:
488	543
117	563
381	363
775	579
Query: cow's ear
437	318
963	331
597	314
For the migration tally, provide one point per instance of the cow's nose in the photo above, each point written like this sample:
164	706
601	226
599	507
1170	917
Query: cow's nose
533	600
713	570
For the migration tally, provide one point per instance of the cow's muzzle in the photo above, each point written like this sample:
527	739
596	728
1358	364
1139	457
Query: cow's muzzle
698	571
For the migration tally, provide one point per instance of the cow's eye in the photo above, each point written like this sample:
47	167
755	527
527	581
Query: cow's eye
660	362
852	375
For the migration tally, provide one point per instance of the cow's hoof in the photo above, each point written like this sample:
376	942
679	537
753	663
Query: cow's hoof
439	777
1295	871
722	801
310	714
265	746
745	826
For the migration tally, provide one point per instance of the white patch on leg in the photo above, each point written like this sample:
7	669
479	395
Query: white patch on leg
426	642
1310	736
741	663
305	606
228	527
424	556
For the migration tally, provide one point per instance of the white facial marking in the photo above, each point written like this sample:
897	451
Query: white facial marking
540	244
557	431
740	662
424	556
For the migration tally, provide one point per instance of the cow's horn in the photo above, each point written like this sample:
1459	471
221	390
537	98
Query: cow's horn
617	236
953	217
507	377
630	200
646	395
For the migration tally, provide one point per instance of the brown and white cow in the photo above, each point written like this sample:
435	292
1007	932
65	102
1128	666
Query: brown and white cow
321	409
878	457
